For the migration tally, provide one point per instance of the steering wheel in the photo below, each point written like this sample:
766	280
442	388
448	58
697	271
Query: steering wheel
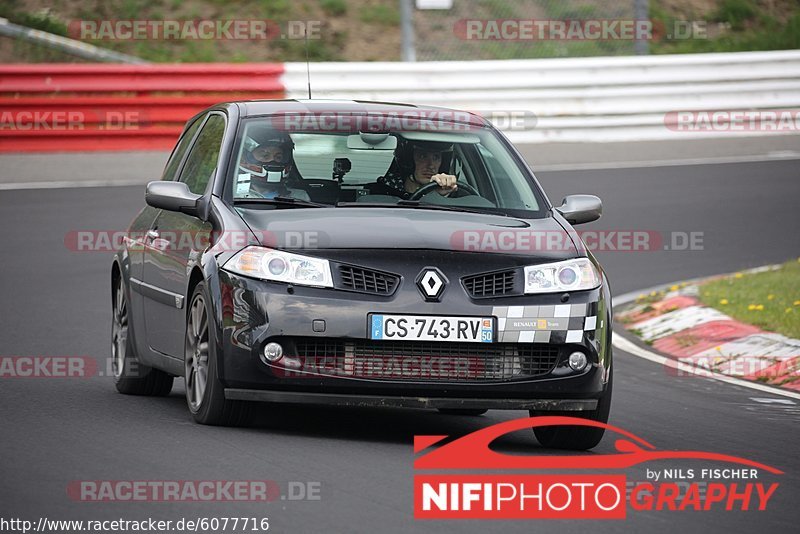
427	188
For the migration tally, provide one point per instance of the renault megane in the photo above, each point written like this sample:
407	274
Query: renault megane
360	253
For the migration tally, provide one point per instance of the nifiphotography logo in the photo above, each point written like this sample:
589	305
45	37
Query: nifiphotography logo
604	493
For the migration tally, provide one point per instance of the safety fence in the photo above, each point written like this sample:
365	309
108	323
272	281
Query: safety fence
579	99
136	107
65	107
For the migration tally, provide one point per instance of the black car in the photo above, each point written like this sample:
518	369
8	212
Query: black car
360	253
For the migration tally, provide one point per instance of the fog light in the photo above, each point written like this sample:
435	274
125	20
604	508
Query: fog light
272	352
578	361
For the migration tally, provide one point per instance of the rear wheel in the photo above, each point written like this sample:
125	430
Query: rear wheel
130	376
463	411
205	395
576	437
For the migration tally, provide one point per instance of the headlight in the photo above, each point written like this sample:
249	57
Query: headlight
570	275
280	266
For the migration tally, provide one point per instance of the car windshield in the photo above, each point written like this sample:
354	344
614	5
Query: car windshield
419	164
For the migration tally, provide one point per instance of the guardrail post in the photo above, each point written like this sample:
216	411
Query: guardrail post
407	29
641	11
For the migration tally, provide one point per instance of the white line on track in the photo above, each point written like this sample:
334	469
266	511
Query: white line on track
628	346
64	184
776	156
772	401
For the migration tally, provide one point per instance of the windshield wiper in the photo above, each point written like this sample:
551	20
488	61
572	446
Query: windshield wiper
415	204
282	201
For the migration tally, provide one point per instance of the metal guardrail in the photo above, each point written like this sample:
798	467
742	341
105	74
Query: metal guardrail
135	107
573	99
66	45
65	107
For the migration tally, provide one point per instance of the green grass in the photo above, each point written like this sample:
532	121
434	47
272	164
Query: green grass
334	8
733	25
380	14
750	28
499	10
737	13
769	300
40	21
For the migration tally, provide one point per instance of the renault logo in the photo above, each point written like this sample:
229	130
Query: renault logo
431	283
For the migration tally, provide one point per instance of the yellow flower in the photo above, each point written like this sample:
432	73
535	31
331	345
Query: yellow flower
674	288
797	303
760	307
738	275
751	307
723	301
653	293
788	310
770	297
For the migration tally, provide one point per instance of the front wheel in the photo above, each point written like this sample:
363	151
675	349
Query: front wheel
576	437
205	395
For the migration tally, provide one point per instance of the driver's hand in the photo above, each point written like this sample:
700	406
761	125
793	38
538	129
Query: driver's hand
447	183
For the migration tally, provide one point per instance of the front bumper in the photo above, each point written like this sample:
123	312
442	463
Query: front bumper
331	399
250	313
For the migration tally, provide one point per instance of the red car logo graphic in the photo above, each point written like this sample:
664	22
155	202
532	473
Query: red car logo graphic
473	450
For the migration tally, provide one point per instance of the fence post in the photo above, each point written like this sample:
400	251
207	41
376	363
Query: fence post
407	29
641	11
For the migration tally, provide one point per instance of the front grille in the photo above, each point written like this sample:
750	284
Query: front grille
366	280
490	284
425	360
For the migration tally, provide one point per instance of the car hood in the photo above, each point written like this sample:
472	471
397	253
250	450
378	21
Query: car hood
399	228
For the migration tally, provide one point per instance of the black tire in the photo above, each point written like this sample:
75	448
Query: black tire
130	376
463	411
576	437
205	395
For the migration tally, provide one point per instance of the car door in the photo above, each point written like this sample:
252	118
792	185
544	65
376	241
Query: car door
138	238
175	242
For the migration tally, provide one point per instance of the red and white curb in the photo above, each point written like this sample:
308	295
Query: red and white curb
693	340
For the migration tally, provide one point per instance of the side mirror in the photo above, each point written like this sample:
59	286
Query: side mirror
172	196
578	209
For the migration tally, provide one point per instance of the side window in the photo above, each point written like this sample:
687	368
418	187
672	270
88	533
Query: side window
202	160
180	150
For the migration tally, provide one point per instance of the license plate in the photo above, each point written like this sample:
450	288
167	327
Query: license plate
431	328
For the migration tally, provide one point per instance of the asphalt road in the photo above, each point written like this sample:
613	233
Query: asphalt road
55	302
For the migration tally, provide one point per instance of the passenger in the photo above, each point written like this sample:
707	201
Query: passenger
270	166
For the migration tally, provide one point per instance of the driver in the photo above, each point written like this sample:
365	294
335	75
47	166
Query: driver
269	166
416	164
